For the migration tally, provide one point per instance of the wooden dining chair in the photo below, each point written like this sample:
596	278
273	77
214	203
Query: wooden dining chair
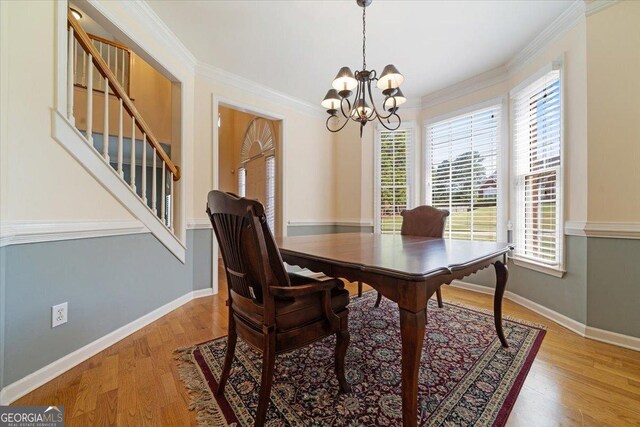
271	310
424	221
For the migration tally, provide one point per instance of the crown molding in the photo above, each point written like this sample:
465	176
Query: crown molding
465	87
36	231
595	6
253	88
144	16
567	20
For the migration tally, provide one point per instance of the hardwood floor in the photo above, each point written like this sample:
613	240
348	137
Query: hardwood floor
573	381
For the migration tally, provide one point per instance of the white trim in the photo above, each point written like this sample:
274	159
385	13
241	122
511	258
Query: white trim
20	232
556	271
563	23
73	141
608	337
350	222
198	224
574	228
465	87
613	230
613	338
16	390
561	319
595	6
221	76
200	293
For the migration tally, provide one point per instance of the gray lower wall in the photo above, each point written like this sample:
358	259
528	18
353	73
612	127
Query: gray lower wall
613	285
108	282
566	295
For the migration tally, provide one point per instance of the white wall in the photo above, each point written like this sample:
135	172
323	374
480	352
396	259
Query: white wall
613	59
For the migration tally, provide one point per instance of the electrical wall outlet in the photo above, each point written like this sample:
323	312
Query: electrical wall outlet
58	314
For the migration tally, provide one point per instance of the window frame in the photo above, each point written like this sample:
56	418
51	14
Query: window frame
557	270
502	156
411	170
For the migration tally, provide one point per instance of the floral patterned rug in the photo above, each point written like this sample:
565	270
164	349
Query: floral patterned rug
466	377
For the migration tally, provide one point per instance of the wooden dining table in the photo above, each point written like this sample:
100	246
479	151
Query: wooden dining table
407	270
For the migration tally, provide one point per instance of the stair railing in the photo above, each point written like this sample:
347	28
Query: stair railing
119	59
95	59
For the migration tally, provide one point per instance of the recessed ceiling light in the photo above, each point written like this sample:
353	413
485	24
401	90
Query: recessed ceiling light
76	14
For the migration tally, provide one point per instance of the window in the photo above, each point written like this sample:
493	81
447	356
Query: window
242	182
271	191
394	176
537	139
462	172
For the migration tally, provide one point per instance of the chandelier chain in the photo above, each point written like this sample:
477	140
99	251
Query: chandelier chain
364	38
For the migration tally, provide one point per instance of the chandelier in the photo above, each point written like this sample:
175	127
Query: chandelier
362	108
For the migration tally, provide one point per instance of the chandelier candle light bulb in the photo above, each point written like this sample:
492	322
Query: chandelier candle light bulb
358	109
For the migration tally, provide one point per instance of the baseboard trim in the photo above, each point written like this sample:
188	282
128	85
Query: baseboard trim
608	337
16	390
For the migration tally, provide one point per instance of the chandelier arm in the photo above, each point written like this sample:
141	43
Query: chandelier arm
392	128
355	102
373	106
342	107
338	129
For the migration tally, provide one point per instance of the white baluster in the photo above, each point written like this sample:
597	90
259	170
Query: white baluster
133	153
115	67
70	74
172	200
153	184
122	79
105	129
120	141
144	168
90	100
163	208
84	68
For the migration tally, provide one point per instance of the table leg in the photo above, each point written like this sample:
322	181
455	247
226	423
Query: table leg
412	331
502	275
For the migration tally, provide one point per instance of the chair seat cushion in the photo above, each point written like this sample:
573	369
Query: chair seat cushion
293	313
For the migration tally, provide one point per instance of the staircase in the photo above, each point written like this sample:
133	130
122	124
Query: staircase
138	162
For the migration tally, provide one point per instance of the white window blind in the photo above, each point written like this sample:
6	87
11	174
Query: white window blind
394	172
271	191
242	182
537	129
462	177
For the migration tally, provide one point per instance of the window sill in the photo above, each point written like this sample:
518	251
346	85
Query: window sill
541	268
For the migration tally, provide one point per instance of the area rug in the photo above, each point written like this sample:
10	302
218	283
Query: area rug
466	377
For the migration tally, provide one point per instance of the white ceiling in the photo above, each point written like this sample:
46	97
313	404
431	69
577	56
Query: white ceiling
296	47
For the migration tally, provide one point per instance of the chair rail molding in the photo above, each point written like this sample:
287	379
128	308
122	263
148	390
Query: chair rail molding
198	224
38	231
610	230
355	222
608	337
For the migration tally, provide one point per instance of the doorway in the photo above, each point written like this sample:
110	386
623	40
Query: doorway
248	159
